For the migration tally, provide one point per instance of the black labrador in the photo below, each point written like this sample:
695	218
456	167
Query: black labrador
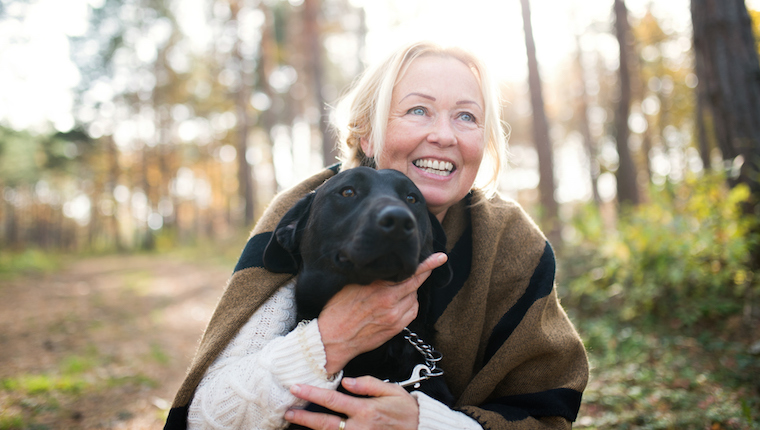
360	226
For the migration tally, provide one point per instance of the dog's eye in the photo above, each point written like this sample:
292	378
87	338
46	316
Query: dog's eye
411	199
348	192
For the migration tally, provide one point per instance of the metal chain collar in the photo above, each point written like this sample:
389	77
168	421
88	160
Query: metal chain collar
425	371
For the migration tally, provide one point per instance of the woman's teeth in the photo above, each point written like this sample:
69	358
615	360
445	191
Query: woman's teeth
441	168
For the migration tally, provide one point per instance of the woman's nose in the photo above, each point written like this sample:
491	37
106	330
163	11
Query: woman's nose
442	132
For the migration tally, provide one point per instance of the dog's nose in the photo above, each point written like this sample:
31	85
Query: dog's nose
396	221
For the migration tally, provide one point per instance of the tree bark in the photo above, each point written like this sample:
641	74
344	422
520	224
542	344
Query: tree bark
729	74
313	38
627	188
541	132
245	176
588	141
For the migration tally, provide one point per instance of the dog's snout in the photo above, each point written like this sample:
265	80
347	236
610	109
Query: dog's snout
396	221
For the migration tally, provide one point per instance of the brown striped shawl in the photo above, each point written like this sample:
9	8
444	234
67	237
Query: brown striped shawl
511	356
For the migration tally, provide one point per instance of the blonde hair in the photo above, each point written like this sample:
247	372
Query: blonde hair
363	111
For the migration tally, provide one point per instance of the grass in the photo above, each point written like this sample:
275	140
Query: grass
653	377
29	399
13	263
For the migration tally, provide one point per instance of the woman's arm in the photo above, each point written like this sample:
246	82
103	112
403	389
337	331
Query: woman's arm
435	415
248	384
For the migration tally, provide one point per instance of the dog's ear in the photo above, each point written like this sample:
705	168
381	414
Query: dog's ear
441	276
281	254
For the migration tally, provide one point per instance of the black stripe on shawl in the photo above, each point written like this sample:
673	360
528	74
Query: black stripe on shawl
559	402
335	168
541	284
253	253
460	261
177	419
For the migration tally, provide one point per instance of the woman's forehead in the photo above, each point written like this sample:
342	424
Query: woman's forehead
425	76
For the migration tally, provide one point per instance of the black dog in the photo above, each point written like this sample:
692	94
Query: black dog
360	226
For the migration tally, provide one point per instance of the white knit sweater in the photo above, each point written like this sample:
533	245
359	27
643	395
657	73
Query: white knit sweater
247	386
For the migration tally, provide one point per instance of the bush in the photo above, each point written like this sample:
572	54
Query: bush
685	255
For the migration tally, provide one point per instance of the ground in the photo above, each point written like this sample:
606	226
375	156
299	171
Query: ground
102	343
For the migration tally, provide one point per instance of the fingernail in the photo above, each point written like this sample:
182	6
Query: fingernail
441	258
289	415
295	389
349	382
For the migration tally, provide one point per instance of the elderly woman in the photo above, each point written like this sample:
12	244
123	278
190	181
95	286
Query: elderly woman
511	357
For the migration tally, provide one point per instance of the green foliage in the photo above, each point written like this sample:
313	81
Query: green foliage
755	16
42	384
684	255
658	378
20	158
158	354
28	261
10	421
70	377
27	398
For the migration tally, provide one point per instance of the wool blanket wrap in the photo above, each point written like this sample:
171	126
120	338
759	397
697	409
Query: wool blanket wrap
511	357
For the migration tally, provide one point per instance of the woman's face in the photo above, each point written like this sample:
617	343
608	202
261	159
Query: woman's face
435	132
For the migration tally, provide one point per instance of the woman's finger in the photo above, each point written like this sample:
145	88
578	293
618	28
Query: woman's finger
331	399
423	271
432	262
313	420
372	387
382	405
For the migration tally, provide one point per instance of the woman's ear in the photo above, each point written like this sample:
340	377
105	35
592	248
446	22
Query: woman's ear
367	147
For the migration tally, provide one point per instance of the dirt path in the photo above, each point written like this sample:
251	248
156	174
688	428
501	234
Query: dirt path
103	343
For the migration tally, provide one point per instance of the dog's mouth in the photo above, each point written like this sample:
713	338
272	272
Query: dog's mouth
436	167
389	267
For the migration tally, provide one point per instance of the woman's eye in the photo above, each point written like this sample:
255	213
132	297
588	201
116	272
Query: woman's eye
467	117
348	192
411	199
416	111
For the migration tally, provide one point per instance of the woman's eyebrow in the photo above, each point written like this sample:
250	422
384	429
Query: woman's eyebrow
464	102
419	95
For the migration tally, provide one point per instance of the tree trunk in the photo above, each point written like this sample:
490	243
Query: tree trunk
114	170
729	74
627	188
704	146
313	38
588	140
541	133
245	176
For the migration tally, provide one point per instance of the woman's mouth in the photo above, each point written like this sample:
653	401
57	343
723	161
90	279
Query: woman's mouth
440	168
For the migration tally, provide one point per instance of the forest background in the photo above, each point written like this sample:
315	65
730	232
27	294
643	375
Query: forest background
141	139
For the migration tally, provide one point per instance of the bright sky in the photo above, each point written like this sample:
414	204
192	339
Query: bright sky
494	28
38	77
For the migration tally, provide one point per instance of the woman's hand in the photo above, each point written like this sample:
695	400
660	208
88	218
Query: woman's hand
360	318
388	407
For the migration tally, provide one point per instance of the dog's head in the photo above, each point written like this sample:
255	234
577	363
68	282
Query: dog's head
360	226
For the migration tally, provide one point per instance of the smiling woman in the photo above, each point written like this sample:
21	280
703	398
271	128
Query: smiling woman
461	104
512	357
435	133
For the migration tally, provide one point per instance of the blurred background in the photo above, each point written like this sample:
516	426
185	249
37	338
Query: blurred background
141	139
